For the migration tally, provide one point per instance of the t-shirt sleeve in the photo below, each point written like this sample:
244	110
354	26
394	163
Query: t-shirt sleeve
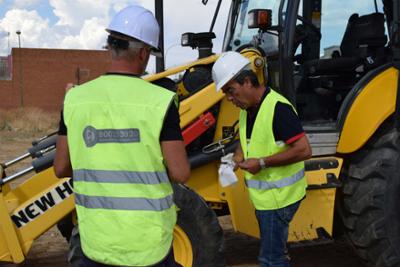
62	128
287	126
171	130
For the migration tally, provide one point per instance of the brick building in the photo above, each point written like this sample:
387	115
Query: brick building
37	77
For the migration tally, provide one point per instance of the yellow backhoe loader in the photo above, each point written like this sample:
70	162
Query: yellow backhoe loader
347	101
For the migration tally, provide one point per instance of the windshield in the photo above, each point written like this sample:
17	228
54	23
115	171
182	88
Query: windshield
238	34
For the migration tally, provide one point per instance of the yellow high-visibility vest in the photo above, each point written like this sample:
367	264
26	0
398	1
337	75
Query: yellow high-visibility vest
123	196
273	187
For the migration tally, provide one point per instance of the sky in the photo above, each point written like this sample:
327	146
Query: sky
80	24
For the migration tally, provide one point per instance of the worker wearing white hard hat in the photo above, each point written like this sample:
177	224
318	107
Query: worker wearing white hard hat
120	133
272	150
136	23
228	65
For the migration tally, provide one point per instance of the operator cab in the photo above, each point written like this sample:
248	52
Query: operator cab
329	78
316	51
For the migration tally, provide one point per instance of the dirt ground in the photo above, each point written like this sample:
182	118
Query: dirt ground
51	249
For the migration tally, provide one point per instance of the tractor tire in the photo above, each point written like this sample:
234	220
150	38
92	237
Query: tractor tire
371	198
200	229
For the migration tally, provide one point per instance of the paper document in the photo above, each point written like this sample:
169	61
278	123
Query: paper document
227	176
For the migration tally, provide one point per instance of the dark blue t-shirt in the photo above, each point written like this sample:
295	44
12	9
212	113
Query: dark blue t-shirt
286	123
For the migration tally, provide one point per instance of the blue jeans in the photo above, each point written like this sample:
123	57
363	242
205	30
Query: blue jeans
274	230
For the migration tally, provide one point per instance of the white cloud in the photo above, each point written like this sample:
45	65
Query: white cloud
190	16
91	36
80	24
119	5
25	3
74	13
34	29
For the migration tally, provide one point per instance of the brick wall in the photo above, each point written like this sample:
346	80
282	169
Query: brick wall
39	76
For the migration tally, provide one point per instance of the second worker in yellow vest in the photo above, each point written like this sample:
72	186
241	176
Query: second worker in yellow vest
272	150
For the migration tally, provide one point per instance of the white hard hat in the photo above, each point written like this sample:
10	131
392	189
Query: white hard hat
137	22
227	66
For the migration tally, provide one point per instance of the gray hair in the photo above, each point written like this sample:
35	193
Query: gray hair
123	48
247	73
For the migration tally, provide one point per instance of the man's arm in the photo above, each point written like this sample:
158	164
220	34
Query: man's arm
298	151
238	156
173	147
174	153
62	163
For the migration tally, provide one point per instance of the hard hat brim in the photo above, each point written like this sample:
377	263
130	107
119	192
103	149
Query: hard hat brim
227	67
227	78
156	52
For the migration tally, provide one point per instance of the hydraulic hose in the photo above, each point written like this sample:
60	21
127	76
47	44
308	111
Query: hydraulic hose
38	149
199	159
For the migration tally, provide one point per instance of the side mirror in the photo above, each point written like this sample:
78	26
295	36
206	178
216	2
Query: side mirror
260	18
204	2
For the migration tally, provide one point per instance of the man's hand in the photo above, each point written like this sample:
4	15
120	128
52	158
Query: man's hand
236	166
238	157
251	165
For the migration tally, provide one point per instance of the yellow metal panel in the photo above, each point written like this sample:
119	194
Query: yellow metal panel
191	108
33	185
178	69
257	63
42	223
241	209
204	180
315	211
26	196
228	115
372	106
10	249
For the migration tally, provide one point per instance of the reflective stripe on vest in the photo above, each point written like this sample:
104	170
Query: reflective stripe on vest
124	203
287	181
131	177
